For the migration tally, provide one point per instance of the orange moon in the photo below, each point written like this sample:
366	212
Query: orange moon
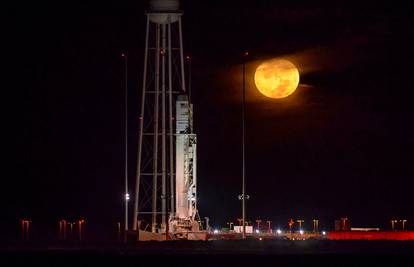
277	78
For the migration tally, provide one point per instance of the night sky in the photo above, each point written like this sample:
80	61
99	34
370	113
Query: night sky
341	145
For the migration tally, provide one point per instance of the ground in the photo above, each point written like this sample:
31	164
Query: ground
214	253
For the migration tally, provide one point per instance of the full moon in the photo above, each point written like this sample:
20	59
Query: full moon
277	78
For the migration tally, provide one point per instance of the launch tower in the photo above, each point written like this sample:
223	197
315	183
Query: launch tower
166	182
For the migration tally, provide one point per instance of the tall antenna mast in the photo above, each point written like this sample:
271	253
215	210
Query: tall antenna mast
124	56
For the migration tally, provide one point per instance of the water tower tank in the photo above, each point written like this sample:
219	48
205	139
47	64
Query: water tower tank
164	11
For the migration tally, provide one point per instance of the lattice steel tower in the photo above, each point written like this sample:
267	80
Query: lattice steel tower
163	81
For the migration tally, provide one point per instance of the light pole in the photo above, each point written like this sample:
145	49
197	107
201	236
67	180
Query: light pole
258	224
62	229
124	56
300	224
393	224
243	196
25	229
403	224
291	223
229	224
345	224
118	226
269	223
81	229
315	225
71	229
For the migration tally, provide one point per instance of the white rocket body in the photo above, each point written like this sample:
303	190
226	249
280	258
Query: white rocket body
186	144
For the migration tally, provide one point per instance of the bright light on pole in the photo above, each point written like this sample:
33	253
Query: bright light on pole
278	231
126	196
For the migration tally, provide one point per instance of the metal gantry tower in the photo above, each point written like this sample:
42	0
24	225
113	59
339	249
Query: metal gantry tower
163	81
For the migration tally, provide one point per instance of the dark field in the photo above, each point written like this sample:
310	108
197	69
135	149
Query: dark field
214	253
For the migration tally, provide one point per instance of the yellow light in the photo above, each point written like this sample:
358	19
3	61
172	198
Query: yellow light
277	78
